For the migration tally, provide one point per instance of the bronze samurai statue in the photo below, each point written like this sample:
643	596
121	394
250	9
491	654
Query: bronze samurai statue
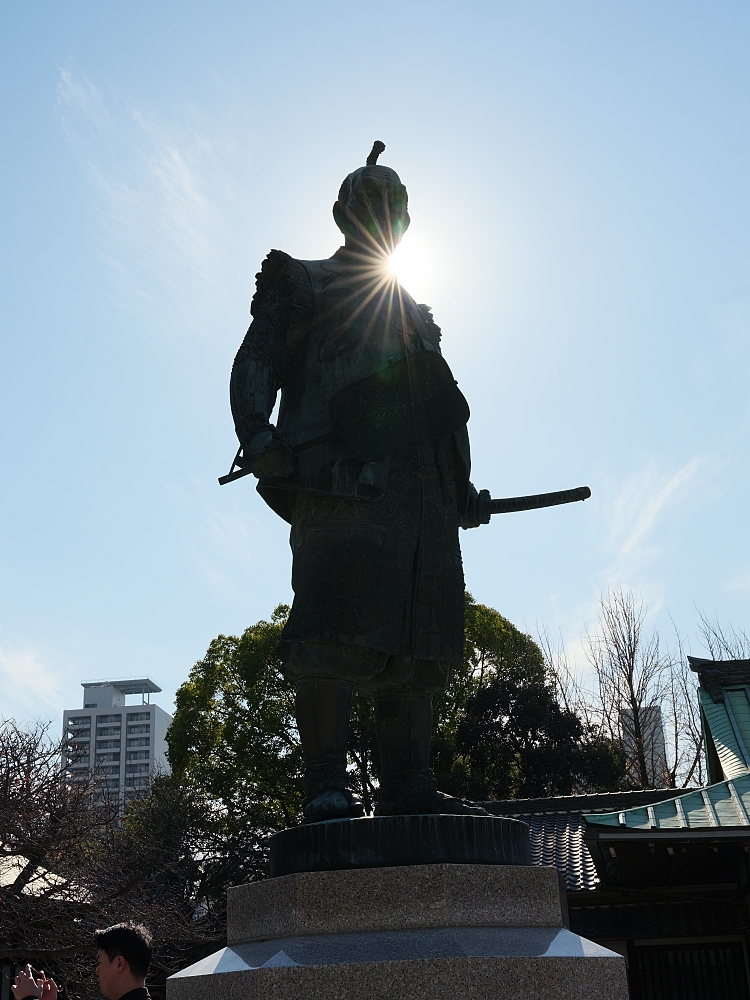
369	463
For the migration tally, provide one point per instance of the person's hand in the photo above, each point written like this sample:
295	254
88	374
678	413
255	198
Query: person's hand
49	988
26	986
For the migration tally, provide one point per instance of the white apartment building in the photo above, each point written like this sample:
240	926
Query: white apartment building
124	744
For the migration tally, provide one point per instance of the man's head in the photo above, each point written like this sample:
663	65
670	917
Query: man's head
371	209
124	958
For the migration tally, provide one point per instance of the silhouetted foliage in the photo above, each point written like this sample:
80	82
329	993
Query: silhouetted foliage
234	736
500	731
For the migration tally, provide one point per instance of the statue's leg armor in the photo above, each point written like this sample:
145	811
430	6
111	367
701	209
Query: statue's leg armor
403	726
323	708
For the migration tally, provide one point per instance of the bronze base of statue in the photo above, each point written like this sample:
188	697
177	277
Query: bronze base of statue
389	841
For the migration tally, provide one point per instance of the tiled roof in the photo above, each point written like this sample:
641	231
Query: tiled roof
557	828
725	804
586	802
557	839
716	674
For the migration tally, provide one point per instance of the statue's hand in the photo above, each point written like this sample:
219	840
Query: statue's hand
270	455
478	510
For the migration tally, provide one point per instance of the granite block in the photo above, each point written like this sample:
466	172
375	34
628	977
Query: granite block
401	898
555	978
392	946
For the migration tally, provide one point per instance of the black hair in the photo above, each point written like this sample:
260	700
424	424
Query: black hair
132	941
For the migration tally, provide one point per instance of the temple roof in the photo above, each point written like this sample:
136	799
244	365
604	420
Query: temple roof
725	804
557	828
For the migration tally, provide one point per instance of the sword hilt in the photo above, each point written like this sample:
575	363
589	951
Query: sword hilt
488	506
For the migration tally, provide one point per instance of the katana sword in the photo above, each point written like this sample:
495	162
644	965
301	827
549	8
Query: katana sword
486	505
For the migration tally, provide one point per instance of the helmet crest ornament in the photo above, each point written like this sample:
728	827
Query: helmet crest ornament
377	148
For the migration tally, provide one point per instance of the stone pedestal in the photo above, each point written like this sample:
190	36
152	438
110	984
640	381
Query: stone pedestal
411	932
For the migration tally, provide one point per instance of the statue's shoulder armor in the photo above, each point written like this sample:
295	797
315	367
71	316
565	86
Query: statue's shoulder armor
430	330
280	274
284	294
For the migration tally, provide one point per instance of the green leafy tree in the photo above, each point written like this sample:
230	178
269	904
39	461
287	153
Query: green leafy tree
234	737
518	742
363	751
499	729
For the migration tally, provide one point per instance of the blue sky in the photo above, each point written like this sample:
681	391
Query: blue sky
580	200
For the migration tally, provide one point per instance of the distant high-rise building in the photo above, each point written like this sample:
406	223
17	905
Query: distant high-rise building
652	737
124	745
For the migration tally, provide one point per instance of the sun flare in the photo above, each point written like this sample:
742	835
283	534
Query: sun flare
409	264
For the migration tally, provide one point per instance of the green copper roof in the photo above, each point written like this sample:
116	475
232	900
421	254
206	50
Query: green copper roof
724	699
729	724
724	804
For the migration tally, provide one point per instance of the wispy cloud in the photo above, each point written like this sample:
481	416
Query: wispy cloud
634	541
160	188
739	582
232	547
31	687
636	508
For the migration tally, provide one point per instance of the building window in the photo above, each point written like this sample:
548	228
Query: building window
141	741
108	731
138	754
132	730
139	716
100	719
79	731
107	744
79	720
136	768
104	758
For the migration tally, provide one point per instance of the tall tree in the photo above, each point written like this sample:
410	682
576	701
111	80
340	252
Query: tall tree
645	694
723	642
501	732
234	735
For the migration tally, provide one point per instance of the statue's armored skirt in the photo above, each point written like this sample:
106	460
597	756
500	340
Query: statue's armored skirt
382	576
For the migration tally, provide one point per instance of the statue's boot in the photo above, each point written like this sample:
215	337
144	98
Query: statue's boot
403	725
323	709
